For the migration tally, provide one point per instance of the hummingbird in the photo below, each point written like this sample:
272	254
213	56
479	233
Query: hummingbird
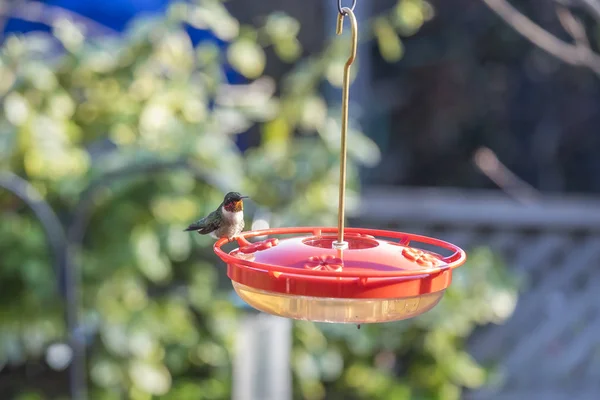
226	221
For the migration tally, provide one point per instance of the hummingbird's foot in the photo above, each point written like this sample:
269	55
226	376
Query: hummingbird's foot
233	238
241	240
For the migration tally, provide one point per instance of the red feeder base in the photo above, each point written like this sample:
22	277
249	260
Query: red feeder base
372	280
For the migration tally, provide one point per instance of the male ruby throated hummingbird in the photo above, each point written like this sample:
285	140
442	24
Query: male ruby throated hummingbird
227	221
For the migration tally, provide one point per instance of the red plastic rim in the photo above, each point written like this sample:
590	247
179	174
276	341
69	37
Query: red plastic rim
456	259
306	265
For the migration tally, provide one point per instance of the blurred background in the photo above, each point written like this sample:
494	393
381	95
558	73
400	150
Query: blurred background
122	121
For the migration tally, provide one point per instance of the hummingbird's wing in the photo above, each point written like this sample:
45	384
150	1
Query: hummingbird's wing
205	225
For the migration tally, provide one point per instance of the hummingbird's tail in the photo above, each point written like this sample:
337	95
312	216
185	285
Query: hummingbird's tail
192	227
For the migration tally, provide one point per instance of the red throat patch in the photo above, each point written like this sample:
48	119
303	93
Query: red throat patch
235	206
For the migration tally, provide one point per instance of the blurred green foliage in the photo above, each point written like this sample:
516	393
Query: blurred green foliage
141	127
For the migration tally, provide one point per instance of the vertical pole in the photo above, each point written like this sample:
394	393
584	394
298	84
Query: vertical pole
78	368
261	369
343	12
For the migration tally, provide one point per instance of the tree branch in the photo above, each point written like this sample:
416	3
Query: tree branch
573	26
592	6
577	55
488	163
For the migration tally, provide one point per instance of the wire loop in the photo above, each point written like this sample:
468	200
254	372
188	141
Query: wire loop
341	7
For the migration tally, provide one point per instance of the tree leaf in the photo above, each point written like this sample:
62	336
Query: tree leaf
247	57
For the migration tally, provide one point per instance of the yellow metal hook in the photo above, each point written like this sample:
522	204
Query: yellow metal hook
345	11
354	26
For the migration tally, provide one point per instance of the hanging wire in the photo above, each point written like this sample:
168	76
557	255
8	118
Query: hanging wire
341	8
345	11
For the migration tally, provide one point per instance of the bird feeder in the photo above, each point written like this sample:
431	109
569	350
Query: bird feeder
344	275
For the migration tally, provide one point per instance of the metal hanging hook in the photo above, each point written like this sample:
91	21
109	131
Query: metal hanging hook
354	26
345	11
341	8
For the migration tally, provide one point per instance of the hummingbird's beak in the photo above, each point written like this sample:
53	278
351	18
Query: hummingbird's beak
245	197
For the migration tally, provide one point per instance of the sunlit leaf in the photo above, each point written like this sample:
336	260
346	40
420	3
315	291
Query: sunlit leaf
281	26
151	378
276	134
213	15
410	15
313	113
288	50
247	57
16	108
106	373
389	43
69	33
